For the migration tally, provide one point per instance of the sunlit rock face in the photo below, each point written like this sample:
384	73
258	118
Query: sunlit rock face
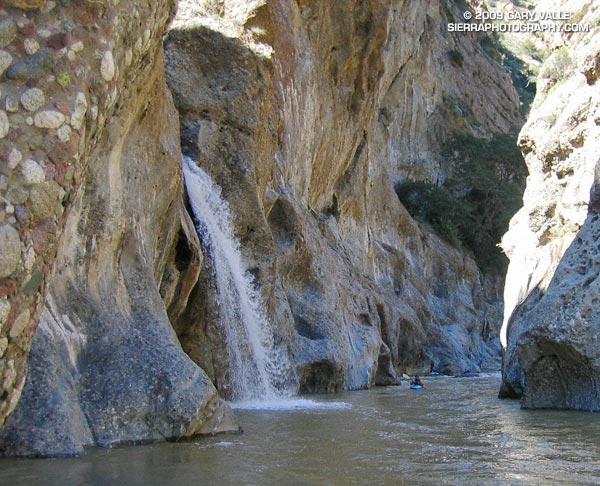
304	121
435	84
551	322
91	163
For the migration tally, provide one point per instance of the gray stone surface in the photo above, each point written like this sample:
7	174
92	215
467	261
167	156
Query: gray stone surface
107	66
296	146
4	124
49	119
8	31
4	310
11	250
33	99
552	289
103	216
5	61
32	172
106	365
32	67
295	142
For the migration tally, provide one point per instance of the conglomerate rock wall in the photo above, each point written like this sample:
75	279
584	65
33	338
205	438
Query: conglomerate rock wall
92	218
551	319
62	79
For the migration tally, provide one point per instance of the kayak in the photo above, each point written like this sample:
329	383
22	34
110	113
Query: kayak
416	387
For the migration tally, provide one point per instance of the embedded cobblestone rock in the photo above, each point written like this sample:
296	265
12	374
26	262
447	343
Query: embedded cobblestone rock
4	311
33	67
21	322
14	157
107	66
31	46
4	124
33	99
8	31
5	61
49	119
10	256
32	172
78	115
27	4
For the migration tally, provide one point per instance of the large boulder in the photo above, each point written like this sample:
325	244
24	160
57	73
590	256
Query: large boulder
551	324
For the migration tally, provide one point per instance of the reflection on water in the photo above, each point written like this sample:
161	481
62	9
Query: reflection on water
454	432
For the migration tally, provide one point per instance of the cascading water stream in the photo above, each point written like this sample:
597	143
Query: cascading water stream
256	366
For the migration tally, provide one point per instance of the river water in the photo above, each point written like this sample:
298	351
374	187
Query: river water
454	432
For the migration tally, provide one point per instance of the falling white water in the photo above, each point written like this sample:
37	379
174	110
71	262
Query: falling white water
255	365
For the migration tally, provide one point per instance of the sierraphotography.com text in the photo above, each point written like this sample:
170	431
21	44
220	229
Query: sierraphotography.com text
517	21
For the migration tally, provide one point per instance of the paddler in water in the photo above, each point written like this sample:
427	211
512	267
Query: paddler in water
417	381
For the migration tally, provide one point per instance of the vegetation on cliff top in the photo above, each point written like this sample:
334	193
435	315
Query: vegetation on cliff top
514	55
521	53
473	207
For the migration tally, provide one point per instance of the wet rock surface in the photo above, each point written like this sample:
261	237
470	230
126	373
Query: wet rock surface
282	105
296	116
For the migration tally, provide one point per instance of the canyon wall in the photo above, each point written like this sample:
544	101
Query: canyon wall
305	122
304	113
551	296
434	85
93	199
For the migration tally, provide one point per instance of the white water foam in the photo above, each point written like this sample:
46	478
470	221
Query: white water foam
256	367
289	404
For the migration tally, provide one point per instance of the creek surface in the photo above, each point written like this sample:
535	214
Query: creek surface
454	432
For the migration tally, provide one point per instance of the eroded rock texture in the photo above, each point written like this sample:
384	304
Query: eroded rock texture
304	113
435	84
551	317
95	131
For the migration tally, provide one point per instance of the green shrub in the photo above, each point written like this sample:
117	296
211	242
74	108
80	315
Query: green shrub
559	66
523	76
524	4
473	208
435	206
531	49
456	57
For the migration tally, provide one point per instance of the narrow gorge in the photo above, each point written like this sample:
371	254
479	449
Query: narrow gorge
206	202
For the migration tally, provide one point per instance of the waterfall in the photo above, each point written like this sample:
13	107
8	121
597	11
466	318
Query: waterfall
255	365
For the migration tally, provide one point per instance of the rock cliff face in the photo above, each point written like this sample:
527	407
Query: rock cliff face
304	122
551	315
93	130
435	84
